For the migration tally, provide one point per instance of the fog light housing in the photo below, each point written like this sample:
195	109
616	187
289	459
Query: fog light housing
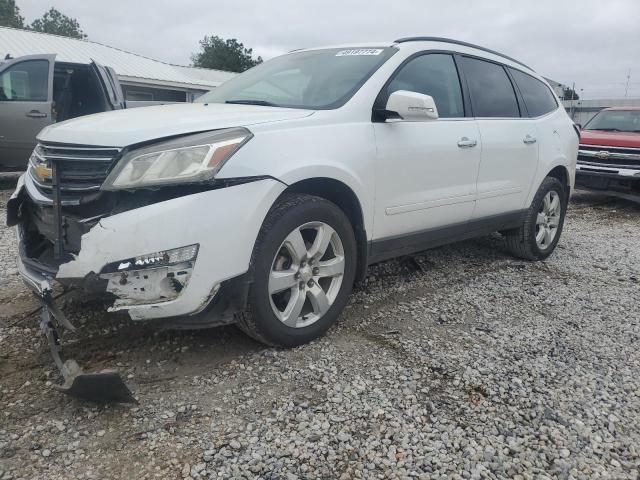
151	278
155	259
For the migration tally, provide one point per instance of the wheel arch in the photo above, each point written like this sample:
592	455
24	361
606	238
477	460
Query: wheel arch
346	199
561	172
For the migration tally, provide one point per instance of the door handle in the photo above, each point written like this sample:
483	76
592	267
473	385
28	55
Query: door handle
36	114
464	142
529	139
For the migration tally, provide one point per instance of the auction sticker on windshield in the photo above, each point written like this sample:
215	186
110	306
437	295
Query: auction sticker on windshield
359	51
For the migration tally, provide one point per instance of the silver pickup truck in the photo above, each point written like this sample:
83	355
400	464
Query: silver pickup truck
36	91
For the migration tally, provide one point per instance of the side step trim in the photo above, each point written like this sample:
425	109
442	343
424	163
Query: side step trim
390	247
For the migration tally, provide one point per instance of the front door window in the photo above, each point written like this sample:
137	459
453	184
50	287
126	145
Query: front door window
25	82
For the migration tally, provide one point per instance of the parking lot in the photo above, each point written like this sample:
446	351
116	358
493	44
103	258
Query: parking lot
460	362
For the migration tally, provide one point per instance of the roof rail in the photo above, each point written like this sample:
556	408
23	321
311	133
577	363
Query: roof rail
459	42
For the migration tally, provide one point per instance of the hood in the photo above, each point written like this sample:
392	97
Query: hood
610	139
121	128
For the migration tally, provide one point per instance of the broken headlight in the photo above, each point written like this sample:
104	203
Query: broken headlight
190	159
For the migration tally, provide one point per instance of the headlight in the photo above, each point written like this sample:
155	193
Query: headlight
195	158
40	168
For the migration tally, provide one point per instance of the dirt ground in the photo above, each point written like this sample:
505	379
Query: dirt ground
458	362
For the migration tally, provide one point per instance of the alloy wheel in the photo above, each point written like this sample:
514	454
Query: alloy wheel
548	220
306	274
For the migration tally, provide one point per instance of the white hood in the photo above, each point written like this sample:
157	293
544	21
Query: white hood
121	128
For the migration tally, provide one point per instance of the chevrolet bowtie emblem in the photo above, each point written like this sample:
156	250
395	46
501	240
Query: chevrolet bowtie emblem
42	171
602	155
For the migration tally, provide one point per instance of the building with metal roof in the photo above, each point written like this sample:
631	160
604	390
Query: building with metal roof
141	77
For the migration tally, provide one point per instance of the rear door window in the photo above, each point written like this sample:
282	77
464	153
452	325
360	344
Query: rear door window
432	74
492	94
537	96
25	82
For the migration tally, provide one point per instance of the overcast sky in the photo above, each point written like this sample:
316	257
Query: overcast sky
590	42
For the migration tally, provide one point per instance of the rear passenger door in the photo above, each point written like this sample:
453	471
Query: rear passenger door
509	156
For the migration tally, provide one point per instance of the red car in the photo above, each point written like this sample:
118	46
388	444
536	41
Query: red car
609	154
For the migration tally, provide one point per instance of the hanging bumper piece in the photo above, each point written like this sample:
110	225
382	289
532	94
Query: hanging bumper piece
106	386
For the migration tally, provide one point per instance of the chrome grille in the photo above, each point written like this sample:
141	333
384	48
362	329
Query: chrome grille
611	157
81	169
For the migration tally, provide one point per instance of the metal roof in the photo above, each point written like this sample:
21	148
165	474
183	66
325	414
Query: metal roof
129	66
206	74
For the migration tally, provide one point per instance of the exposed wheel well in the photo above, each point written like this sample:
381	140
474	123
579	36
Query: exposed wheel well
340	194
561	173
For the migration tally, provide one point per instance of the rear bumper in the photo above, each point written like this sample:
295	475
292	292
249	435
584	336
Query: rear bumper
224	223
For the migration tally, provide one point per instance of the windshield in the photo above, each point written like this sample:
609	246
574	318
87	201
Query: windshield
315	79
616	121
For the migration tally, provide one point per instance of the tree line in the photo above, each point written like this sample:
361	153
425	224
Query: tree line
215	52
52	21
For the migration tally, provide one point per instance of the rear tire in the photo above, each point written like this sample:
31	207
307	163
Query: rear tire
303	266
541	228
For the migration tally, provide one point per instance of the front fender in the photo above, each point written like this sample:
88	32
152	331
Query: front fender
345	152
338	172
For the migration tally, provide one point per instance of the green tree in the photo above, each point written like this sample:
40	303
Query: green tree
10	14
59	24
221	54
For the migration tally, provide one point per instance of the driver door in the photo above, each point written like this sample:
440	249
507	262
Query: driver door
426	170
26	99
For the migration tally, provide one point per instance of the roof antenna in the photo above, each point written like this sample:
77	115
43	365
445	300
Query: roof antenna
8	57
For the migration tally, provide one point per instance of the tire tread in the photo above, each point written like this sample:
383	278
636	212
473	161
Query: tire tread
246	320
516	240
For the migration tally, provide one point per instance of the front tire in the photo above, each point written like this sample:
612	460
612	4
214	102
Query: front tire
304	266
540	232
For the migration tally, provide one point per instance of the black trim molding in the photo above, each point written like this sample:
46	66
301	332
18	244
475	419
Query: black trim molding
390	247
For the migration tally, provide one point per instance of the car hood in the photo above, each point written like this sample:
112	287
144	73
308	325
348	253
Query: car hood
121	128
610	139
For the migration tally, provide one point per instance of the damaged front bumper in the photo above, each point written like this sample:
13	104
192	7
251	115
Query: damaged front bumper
104	386
120	254
223	223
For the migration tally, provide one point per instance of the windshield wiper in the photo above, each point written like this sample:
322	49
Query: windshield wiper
263	103
608	129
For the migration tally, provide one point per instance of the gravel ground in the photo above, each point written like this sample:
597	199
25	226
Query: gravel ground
460	362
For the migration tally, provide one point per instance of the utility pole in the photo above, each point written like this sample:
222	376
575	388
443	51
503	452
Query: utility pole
573	90
626	88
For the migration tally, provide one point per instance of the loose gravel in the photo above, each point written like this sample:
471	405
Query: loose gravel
460	362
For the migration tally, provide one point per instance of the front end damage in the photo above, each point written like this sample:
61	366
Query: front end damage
178	256
104	386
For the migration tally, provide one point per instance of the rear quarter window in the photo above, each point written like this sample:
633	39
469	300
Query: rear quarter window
537	97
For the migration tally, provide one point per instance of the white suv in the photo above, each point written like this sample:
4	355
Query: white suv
264	202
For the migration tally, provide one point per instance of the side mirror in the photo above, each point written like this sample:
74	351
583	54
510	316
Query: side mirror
412	106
